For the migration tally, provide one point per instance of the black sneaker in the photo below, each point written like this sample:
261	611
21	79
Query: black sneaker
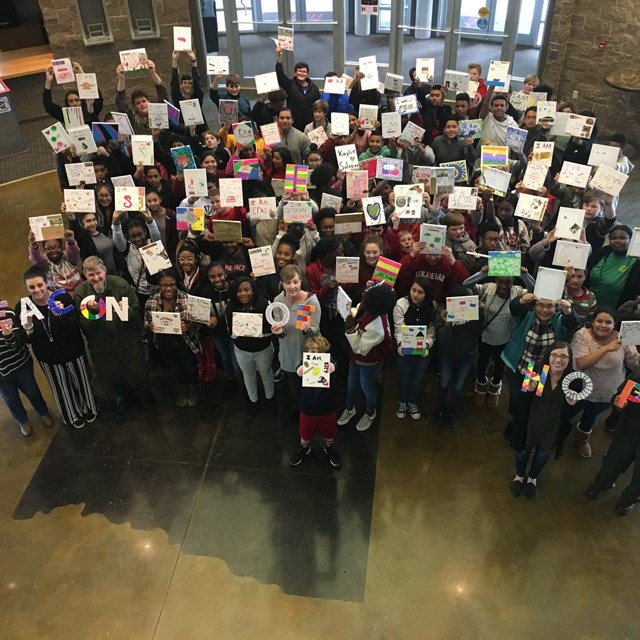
251	411
625	509
334	457
594	492
530	489
516	488
298	455
279	375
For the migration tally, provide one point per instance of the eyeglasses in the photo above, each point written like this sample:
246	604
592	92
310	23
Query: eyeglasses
171	285
562	358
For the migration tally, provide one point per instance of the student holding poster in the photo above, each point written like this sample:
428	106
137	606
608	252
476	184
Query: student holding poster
496	121
417	308
320	109
233	92
57	261
187	86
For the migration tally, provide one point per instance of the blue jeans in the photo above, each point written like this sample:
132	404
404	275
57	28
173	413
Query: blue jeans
364	378
453	373
591	411
540	458
411	370
22	379
224	345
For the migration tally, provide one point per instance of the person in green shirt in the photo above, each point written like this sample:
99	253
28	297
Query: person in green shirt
377	148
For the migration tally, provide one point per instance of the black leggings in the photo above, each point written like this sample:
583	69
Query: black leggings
487	353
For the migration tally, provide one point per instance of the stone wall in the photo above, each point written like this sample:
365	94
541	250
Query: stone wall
574	63
63	26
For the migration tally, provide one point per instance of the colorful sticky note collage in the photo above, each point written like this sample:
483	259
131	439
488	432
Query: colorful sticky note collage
296	178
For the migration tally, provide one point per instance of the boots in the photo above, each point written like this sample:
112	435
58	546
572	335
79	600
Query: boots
183	391
493	397
582	441
193	395
480	394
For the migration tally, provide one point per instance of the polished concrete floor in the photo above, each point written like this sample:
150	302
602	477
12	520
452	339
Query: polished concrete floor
188	524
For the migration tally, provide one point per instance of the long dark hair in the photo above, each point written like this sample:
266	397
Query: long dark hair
257	302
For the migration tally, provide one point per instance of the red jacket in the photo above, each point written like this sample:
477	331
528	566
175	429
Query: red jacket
442	274
370	340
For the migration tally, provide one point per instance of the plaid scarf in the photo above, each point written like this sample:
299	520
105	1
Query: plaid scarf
539	338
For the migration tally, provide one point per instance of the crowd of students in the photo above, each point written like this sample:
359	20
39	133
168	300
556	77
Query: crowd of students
514	328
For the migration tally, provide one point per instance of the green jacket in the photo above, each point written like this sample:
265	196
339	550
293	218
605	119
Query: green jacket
106	337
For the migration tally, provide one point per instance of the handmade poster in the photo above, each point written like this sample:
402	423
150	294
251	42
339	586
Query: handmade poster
413	340
56	135
129	199
191	112
80	173
368	66
494	157
218	66
546	113
531	207
630	393
316	370
393	83
330	201
549	284
369	7
155	257
369	166
142	150
412	133
243	134
373	211
608	180
166	322
267	82
82	140
634	246
182	39
343	303
433	236
408	201
174	113
519	100
303	314
339	124
317	136
569	223
271	134
405	105
227	230
263	208
386	271
574	174
470	129
357	184
421	174
516	138
473	88
297	211
498	74
72	117
198	309
460	170
505	263
455	81
391	124
123	181
48	227
63	70
158	115
543	152
123	123
559	124
579	126
230	192
262	263
535	176
630	332
335	85
425	69
347	269
247	169
87	86
183	158
80	200
348	223
277	184
133	59
389	169
463	308
190	218
463	198
603	154
367	116
496	180
571	254
296	178
228	111
347	156
285	38
442	180
195	183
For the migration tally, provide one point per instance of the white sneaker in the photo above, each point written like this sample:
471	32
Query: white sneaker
366	421
401	411
346	415
414	411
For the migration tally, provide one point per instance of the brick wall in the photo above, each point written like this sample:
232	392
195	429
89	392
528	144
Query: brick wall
573	62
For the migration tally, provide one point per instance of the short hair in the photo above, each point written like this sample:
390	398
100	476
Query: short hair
618	138
285	109
447	118
499	96
376	132
437	87
593	194
301	65
211	133
485	227
138	93
290	241
34	272
289	272
232	78
532	79
185	76
325	212
320	341
149	167
544	88
624	228
320	105
453	219
274	96
475	65
373	239
531	108
93	263
567	105
378	299
404	232
465	97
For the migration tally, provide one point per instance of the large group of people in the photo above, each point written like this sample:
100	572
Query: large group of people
107	297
